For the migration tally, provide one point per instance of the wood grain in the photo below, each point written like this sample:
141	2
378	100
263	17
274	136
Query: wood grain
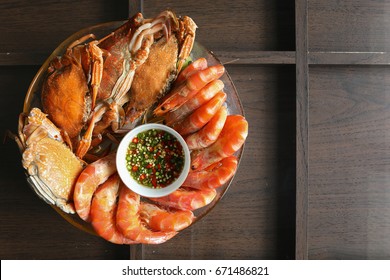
349	191
40	26
255	57
349	25
233	25
302	115
349	58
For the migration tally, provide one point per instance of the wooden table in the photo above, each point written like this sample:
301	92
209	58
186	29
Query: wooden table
314	80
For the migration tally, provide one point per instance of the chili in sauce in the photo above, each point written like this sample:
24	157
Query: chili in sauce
155	158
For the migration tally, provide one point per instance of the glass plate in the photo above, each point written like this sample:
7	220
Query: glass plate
32	99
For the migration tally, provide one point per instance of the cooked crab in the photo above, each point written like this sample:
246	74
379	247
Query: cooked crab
166	58
88	91
52	167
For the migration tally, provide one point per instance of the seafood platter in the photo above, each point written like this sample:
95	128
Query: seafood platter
104	82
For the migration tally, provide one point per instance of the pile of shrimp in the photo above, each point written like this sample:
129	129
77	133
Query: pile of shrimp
194	108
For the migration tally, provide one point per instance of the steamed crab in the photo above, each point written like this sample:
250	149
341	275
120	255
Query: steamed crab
52	167
111	82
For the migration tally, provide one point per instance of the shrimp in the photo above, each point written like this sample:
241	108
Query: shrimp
204	95
188	89
209	133
187	198
163	220
214	176
129	222
195	66
90	178
103	211
230	140
200	116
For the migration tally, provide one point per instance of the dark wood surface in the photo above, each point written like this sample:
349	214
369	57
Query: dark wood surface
349	194
349	25
348	141
313	77
302	101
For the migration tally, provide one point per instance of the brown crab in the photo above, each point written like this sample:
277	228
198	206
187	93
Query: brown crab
66	95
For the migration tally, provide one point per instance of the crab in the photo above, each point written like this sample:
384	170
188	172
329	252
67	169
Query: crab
107	85
66	93
51	165
166	59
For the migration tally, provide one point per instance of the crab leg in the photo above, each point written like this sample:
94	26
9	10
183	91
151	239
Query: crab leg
85	141
21	140
187	30
97	68
81	40
124	82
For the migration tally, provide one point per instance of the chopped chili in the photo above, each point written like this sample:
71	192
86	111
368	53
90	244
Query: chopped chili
155	158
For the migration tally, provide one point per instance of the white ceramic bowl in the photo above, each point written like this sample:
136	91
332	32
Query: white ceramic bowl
133	184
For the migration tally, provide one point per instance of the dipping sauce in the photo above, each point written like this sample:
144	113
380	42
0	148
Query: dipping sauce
155	158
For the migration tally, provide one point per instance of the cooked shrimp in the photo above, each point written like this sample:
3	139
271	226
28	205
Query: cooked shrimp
209	133
90	178
160	219
129	222
230	140
103	211
187	199
188	89
214	176
200	116
195	66
204	95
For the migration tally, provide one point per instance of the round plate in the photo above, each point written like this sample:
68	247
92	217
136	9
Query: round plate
33	95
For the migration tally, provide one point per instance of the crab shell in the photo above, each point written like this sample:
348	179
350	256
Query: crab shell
65	93
154	77
51	165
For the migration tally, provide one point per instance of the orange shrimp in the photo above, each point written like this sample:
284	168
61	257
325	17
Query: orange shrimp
129	222
188	89
103	211
230	140
204	95
209	133
195	66
90	178
187	199
200	116
214	176
163	220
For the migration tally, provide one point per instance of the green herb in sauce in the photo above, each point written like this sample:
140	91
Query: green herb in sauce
155	158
